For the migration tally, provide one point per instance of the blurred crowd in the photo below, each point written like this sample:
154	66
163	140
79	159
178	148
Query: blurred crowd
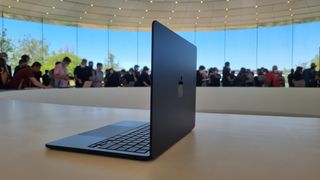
263	77
87	75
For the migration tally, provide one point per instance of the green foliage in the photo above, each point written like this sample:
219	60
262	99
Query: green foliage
110	63
6	44
316	61
35	48
50	61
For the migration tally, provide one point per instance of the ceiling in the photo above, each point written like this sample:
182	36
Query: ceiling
180	15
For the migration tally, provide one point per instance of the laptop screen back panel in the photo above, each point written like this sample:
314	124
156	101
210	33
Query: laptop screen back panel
173	91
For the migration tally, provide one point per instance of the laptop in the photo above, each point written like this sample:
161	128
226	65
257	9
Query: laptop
172	117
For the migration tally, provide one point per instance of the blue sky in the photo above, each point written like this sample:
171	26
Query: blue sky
240	48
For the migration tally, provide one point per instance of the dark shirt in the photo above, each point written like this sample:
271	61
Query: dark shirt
309	76
144	77
225	74
129	78
290	80
2	86
83	74
17	69
46	79
215	80
38	75
10	71
297	76
23	75
199	78
113	80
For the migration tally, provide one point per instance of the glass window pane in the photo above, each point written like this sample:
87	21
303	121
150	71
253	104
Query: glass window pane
92	44
275	47
144	49
123	45
306	44
210	47
26	38
241	48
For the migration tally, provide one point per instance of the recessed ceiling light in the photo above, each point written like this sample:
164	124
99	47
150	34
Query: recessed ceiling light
290	9
172	11
110	20
80	17
151	1
18	0
201	2
292	15
197	17
142	17
120	8
91	5
9	6
61	0
86	12
288	2
228	0
170	18
199	10
147	10
227	9
226	16
256	6
176	2
195	23
139	22
47	13
53	7
114	15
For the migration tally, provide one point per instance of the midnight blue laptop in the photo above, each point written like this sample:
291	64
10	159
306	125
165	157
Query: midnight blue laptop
173	94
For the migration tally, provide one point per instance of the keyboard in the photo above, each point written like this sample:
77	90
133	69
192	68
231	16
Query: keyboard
136	141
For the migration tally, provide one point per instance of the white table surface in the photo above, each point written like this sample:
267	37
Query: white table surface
221	147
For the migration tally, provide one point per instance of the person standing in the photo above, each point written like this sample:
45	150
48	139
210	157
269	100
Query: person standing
97	77
200	75
82	73
61	78
4	74
24	61
290	78
309	76
4	56
274	78
226	75
46	78
112	78
144	79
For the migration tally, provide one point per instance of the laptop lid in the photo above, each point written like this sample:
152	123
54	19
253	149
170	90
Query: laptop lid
173	90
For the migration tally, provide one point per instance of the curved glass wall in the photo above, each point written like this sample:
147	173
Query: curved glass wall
286	46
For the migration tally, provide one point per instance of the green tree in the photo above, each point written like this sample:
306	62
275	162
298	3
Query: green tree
51	60
316	61
6	44
110	62
36	49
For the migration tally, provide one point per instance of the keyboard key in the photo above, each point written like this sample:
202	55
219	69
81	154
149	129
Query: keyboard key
114	147
132	149
141	151
106	146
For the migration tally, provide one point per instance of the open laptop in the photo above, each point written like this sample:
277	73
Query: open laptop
173	94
